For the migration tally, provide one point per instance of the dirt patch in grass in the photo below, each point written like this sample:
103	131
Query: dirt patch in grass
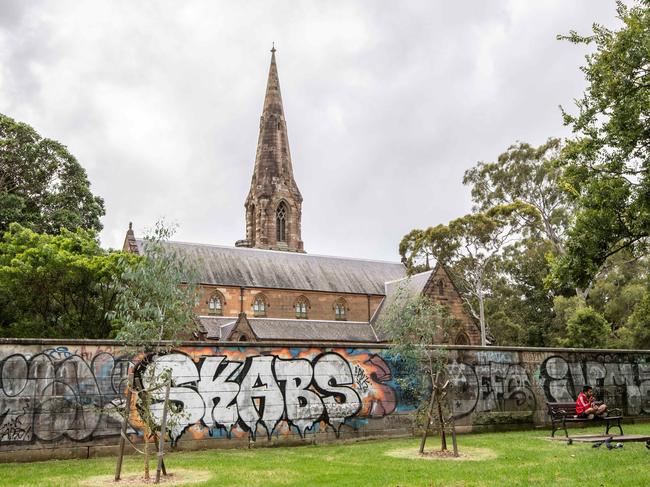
465	454
176	477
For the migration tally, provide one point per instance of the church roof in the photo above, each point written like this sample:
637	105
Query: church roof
311	330
411	286
334	331
217	327
244	267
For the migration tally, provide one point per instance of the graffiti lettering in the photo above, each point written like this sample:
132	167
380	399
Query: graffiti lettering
261	391
623	384
57	394
495	386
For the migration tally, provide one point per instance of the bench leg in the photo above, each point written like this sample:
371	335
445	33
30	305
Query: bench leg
566	433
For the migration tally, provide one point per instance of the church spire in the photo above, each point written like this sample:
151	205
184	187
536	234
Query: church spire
274	203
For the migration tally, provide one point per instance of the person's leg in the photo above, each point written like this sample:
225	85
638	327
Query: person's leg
601	409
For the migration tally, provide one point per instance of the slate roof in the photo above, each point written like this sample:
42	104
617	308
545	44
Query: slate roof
237	266
217	327
312	330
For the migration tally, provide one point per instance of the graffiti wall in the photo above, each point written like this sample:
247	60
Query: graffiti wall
63	399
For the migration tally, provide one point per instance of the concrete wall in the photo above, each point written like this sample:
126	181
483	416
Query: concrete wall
58	399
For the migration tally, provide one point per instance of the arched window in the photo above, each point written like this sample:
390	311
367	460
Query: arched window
259	306
281	222
462	339
215	304
339	310
301	305
243	338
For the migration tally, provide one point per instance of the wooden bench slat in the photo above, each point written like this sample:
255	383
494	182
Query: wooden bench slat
565	412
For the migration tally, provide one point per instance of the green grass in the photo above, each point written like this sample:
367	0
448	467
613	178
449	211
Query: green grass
522	458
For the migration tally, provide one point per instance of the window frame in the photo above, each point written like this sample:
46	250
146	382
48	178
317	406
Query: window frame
342	305
222	302
303	303
260	313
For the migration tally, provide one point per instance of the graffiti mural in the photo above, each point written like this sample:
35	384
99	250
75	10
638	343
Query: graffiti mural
621	381
491	382
254	393
53	396
59	394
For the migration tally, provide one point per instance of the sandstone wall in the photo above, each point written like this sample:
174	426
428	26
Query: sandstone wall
58	399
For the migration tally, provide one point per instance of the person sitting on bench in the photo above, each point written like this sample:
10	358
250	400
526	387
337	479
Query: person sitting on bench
586	406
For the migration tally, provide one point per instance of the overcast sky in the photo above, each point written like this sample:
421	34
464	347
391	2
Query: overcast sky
387	103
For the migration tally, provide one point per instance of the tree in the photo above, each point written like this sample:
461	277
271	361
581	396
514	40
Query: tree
57	286
415	324
519	308
529	175
608	161
519	304
155	303
639	323
42	186
469	247
586	328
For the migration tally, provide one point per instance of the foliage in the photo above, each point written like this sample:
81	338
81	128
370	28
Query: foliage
528	175
157	294
639	323
586	328
608	162
414	324
42	186
469	247
57	286
520	308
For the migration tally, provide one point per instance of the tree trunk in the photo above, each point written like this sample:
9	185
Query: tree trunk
481	314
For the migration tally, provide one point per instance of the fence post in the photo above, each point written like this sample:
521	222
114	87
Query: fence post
125	425
163	427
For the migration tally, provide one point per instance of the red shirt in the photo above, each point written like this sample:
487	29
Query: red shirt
582	403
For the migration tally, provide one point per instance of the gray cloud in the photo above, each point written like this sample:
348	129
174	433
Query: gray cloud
386	107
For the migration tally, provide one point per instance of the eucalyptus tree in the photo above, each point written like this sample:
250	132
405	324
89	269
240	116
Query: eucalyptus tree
469	247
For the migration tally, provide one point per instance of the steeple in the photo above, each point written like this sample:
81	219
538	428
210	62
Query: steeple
274	203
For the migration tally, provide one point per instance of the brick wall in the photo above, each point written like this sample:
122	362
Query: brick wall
281	303
57	399
441	289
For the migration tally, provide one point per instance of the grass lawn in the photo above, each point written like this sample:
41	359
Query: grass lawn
520	458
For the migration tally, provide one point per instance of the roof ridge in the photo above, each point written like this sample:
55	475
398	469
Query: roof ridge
281	252
408	277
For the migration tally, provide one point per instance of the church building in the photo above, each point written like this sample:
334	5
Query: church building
267	288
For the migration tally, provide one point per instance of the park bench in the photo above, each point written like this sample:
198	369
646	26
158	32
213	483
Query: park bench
562	413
